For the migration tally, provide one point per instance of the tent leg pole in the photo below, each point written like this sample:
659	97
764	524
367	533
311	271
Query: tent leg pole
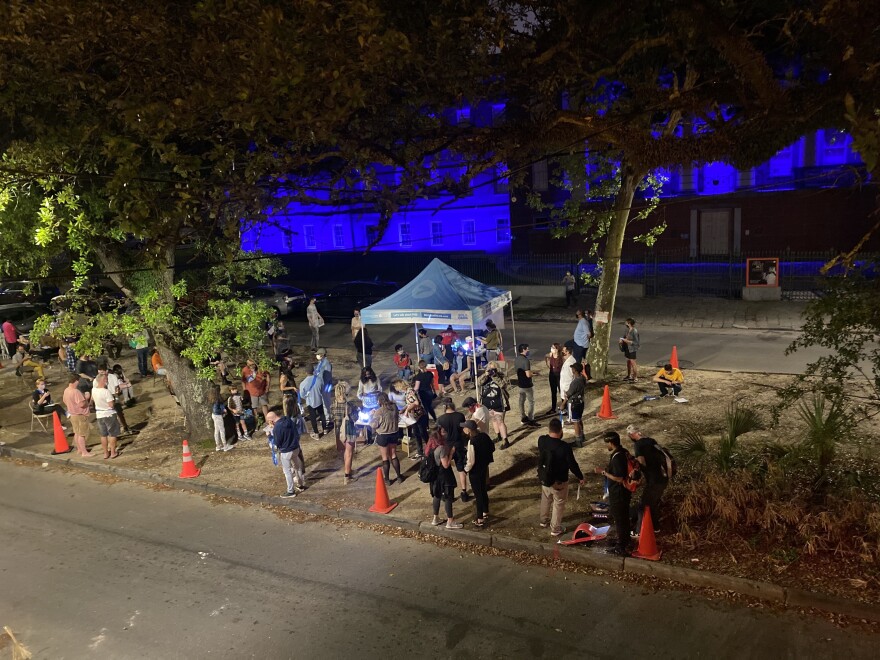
513	325
473	357
364	343
418	357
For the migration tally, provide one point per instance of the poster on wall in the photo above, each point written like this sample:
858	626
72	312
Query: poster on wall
762	272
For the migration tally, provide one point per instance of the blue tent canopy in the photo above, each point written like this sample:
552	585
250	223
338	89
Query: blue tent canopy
439	295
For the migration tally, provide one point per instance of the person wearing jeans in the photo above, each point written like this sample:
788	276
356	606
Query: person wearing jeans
555	459
286	433
218	412
524	375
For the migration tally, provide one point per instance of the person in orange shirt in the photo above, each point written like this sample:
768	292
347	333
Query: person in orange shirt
256	382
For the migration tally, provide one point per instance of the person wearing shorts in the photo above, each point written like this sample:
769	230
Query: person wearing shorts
630	344
105	413
78	408
385	421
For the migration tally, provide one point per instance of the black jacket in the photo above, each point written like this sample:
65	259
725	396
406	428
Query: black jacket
555	459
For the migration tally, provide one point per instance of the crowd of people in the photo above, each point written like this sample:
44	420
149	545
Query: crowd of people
455	448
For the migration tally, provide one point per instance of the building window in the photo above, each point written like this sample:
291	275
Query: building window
338	237
502	230
502	182
468	232
309	237
835	145
372	234
405	238
463	116
540	176
436	234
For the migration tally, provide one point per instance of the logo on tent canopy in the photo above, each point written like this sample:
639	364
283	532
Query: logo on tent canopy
424	289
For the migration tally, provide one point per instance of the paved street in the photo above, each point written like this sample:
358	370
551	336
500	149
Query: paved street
721	349
91	570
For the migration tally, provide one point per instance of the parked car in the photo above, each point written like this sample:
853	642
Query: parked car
26	291
23	315
340	301
286	299
93	299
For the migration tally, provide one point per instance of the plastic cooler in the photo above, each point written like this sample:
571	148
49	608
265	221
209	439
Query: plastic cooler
433	369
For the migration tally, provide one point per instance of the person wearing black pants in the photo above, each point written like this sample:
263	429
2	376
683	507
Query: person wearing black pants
618	495
554	360
443	485
653	468
479	455
423	383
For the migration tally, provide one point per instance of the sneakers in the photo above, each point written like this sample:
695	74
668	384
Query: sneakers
218	448
229	448
454	525
558	532
524	420
315	436
436	521
289	494
544	524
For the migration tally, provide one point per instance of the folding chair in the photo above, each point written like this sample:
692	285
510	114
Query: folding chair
41	419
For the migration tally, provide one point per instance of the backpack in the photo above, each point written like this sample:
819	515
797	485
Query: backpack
633	471
668	466
428	470
492	395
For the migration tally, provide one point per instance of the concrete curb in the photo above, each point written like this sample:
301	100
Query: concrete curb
787	596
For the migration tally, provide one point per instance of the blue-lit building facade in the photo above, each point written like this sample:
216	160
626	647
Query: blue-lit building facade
805	198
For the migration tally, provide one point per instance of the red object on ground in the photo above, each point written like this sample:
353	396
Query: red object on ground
61	446
433	369
647	542
188	470
605	411
674	359
381	504
584	533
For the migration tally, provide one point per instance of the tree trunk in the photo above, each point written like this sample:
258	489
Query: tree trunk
192	393
605	299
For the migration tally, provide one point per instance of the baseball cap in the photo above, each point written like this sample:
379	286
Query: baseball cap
632	428
470	424
468	402
321	352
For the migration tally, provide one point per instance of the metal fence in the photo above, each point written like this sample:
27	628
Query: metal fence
663	273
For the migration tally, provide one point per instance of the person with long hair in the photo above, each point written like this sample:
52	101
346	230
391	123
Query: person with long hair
368	383
630	344
286	385
344	414
554	360
218	413
412	408
385	421
443	485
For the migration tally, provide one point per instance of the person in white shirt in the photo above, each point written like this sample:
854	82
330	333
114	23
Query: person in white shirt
316	321
478	413
105	412
356	323
565	375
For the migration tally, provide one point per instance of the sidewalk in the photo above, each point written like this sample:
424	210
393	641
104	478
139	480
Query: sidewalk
675	312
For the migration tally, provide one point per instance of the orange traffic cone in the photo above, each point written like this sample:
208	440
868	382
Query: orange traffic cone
188	470
381	504
605	411
61	446
647	543
674	359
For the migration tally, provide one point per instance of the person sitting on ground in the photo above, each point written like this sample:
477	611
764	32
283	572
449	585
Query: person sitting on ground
23	359
385	420
668	379
442	488
42	400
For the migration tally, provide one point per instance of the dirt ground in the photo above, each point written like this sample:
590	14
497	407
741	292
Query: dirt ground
515	492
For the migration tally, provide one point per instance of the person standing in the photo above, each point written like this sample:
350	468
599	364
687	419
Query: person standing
363	346
286	385
141	344
631	344
423	383
324	373
619	496
10	336
581	337
669	379
286	436
479	414
494	394
105	414
479	456
310	394
444	366
355	323
565	373
443	486
218	416
652	461
555	459
526	386
492	341
78	408
385	421
575	395
344	414
235	404
256	382
426	350
554	361
569	283
413	409
70	359
450	421
316	322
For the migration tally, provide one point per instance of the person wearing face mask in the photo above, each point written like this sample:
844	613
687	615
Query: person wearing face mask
403	362
524	375
42	400
494	394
